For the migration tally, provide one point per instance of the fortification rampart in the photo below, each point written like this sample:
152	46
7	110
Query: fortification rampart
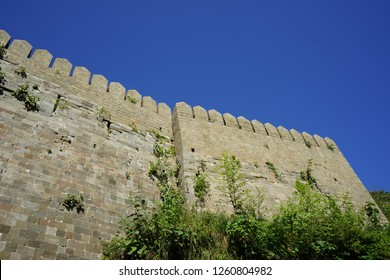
89	138
94	138
124	106
205	135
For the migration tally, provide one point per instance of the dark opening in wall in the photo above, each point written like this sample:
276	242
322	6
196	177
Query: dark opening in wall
193	150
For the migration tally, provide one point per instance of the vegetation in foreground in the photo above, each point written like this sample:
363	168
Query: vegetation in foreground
309	226
382	198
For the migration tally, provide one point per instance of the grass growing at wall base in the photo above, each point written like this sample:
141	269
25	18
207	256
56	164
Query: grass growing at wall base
309	226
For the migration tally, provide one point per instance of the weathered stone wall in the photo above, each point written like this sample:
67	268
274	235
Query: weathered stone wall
205	135
94	138
69	146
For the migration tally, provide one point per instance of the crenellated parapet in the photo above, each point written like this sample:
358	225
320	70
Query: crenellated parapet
20	51
240	123
143	111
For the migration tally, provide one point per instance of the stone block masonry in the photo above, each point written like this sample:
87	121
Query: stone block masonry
256	146
94	138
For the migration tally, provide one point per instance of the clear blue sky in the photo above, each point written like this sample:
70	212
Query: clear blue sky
316	66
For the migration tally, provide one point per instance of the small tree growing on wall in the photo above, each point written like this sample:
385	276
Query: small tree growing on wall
201	185
232	181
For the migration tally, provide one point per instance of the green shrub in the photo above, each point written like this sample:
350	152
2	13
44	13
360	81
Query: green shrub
21	93
31	103
162	233
382	198
232	181
307	175
201	185
247	237
310	225
131	99
316	226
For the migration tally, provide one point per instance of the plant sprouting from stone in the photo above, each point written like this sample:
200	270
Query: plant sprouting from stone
133	127
330	147
274	170
232	181
201	185
132	100
372	213
162	170
22	71
3	51
103	114
21	93
72	201
30	101
307	175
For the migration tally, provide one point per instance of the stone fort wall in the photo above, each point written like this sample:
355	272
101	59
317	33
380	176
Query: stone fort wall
95	138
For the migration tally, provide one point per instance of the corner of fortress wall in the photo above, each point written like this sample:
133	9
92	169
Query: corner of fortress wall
47	154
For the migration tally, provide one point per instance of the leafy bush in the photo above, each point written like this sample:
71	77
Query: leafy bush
232	181
31	103
247	237
21	93
310	225
201	185
382	198
162	233
307	175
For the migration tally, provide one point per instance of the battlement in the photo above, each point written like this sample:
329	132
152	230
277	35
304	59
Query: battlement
62	70
20	51
212	116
